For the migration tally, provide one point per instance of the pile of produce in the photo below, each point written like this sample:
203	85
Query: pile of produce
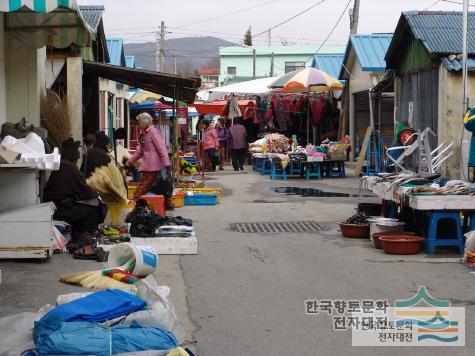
358	219
187	168
456	188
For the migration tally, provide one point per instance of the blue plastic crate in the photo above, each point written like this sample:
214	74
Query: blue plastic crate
201	199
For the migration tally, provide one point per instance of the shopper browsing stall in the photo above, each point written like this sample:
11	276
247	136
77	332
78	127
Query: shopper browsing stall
152	154
210	144
223	137
238	144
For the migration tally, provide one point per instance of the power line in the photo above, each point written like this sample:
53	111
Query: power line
228	14
291	18
332	30
428	7
456	2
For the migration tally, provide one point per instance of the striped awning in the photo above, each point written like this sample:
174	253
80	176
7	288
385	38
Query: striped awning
36	5
38	23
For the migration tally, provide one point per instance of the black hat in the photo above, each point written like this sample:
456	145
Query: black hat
70	149
102	139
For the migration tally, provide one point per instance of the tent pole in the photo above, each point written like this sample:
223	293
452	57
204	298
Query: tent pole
174	133
308	118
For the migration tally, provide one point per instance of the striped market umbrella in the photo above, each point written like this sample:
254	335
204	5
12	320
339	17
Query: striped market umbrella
38	23
306	80
36	5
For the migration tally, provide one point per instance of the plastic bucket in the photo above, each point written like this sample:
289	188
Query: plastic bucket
146	259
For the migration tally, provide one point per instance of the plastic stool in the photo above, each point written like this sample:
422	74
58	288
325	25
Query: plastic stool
155	202
277	171
316	172
264	164
295	167
433	241
471	226
330	171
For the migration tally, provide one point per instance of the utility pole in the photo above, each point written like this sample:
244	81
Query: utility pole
465	134
272	64
162	46
253	63
174	64
157	52
269	38
354	17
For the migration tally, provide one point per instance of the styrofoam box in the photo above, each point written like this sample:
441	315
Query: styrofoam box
166	245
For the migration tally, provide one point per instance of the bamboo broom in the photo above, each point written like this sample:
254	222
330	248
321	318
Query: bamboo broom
96	280
109	183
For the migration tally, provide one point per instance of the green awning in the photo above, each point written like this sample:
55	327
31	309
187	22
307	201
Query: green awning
38	23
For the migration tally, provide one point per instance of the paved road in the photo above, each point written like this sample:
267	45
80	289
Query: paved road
246	292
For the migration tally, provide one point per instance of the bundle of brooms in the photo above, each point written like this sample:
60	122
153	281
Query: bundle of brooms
55	117
109	183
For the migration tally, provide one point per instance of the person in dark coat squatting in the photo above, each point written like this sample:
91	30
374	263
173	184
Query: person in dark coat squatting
98	155
76	202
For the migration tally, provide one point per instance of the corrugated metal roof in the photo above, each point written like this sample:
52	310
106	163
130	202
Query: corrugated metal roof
371	50
130	61
92	14
441	32
115	47
456	65
329	63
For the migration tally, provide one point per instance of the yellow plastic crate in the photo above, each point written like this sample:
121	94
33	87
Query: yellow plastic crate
117	213
217	191
178	200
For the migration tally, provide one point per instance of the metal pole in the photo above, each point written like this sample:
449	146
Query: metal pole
162	46
174	63
173	126
465	134
272	64
269	38
253	63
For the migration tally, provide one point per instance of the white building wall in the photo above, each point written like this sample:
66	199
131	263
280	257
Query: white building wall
74	78
3	97
25	80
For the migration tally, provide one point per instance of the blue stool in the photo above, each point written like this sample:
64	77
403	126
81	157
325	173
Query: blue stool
255	163
278	171
312	169
266	166
331	171
432	240
295	167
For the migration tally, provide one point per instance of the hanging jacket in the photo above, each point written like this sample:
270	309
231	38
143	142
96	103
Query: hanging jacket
152	151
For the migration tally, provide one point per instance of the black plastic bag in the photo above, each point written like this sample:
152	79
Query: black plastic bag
215	159
144	222
163	185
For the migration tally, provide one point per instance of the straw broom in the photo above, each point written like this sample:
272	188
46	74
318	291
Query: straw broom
96	280
109	183
55	117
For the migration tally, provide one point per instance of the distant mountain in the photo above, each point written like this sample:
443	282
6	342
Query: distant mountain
191	53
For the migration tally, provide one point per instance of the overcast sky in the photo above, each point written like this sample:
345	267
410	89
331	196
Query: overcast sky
136	20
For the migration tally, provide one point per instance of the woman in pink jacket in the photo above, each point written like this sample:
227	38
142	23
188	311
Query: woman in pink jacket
210	144
152	153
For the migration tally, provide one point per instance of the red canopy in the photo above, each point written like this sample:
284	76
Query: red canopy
216	107
161	106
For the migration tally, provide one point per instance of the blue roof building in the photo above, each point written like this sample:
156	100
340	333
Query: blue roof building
329	63
130	61
116	51
363	67
425	55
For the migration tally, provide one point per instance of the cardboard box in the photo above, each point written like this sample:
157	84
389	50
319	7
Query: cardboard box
8	157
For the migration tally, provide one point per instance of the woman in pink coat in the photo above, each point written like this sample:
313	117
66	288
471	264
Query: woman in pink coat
210	144
152	153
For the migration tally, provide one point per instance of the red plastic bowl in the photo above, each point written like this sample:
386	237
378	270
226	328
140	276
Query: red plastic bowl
375	237
354	231
401	244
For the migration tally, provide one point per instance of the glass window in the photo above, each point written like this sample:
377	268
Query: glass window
232	70
292	66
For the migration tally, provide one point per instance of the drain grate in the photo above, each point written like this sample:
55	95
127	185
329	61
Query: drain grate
276	227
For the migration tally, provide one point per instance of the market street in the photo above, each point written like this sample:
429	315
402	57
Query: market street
246	292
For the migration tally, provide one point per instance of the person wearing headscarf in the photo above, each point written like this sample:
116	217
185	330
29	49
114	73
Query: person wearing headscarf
98	155
153	156
76	202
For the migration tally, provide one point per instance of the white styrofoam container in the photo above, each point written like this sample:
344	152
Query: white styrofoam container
27	232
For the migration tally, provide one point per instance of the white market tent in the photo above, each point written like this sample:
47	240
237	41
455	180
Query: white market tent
251	87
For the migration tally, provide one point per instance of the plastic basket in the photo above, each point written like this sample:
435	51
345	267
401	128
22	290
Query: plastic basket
131	189
178	200
217	191
201	199
155	202
117	213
